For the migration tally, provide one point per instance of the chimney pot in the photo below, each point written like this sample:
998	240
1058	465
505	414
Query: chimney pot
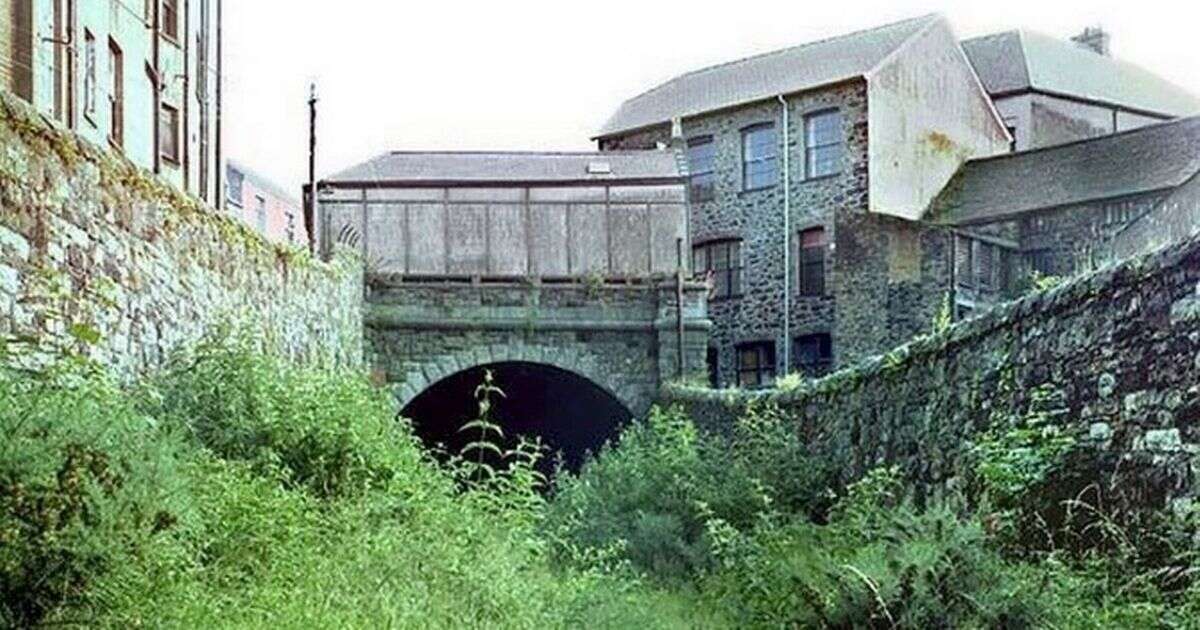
1095	39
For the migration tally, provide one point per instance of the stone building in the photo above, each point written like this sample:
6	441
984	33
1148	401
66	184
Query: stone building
810	169
142	77
1058	210
844	191
1050	91
263	205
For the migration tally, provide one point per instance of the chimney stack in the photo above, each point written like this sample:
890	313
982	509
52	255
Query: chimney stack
1095	39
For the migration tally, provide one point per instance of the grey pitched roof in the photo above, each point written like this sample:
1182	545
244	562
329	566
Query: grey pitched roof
764	76
467	167
1024	60
1157	157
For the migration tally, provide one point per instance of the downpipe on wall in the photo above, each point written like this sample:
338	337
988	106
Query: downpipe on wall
787	237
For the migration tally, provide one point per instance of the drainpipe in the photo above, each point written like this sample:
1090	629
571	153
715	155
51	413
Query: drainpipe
787	241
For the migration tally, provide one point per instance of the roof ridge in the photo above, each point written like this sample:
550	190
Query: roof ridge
1098	139
777	51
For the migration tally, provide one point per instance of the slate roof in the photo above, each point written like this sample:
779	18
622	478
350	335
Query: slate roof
474	167
1022	60
1157	157
764	76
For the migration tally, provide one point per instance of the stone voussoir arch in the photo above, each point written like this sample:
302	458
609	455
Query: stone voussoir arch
582	364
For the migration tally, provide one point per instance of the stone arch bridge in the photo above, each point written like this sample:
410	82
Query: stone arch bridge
624	338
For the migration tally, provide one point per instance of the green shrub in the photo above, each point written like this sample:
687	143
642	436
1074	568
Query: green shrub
87	484
654	494
878	563
331	433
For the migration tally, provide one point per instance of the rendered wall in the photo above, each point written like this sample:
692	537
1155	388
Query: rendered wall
928	115
98	256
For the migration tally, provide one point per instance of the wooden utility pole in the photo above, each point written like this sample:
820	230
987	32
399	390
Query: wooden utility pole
311	208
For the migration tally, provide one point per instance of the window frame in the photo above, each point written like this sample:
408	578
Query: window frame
710	174
90	75
812	258
260	213
823	363
763	370
773	159
811	147
169	20
231	175
116	96
732	271
169	114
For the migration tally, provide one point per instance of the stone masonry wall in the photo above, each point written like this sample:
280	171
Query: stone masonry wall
1171	219
1114	356
622	338
97	256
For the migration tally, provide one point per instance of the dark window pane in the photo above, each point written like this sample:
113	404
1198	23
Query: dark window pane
814	354
701	157
812	262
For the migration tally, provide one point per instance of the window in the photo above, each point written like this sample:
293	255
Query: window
170	19
814	354
260	213
168	132
812	262
756	364
233	187
1042	261
89	74
978	264
701	157
116	93
983	256
291	226
723	261
758	157
711	360
823	144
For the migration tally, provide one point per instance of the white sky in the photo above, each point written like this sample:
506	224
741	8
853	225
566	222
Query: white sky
544	75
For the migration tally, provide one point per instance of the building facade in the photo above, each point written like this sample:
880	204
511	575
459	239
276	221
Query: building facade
843	193
810	168
1057	211
263	205
141	77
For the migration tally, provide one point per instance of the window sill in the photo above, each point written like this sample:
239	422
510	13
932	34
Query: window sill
749	191
818	178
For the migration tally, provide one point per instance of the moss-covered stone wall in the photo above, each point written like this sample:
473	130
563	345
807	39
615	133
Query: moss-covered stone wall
1113	356
100	257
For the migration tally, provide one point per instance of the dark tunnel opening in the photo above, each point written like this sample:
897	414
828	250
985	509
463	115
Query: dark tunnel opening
572	415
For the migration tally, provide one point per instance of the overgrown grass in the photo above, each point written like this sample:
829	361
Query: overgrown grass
238	491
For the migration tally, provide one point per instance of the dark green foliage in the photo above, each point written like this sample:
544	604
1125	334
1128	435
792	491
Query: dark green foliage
237	491
654	492
87	483
332	434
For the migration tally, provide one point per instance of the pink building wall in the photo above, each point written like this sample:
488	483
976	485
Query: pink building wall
264	206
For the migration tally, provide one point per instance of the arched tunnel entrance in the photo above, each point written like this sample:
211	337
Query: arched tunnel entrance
572	415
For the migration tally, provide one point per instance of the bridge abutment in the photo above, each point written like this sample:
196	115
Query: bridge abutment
624	337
